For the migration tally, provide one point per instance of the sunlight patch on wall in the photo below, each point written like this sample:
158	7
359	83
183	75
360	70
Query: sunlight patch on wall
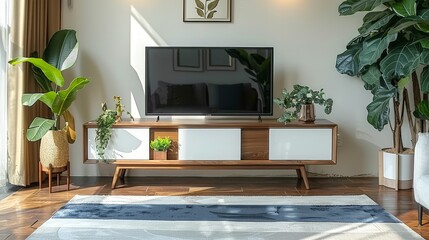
141	35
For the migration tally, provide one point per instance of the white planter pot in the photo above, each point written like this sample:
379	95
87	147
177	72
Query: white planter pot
54	149
396	170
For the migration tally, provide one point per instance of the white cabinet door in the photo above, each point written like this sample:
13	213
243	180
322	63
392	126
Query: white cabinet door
209	144
125	143
300	144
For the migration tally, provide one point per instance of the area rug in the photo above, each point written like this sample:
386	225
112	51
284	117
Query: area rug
223	217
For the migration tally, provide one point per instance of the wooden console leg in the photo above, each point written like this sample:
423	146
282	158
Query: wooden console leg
304	177
58	179
115	176
123	171
298	173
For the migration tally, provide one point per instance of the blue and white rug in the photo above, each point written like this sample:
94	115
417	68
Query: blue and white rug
223	217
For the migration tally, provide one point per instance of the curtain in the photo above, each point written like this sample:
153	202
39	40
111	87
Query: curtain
33	22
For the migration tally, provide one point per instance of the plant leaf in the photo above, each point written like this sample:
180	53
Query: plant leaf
350	7
347	62
424	80
211	14
29	99
404	8
38	128
400	62
70	126
61	51
424	14
422	110
199	4
65	97
213	5
373	48
200	12
52	73
368	27
372	78
379	109
407	22
424	57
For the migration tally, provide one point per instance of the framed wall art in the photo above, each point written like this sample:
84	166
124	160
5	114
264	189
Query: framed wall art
207	10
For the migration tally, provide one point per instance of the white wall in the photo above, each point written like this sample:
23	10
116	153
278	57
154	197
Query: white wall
306	36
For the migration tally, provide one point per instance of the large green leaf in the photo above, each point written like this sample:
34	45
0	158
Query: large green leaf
400	62
61	51
373	48
404	8
424	27
424	80
65	97
38	128
52	73
379	109
350	7
348	61
372	78
422	111
371	25
407	22
29	99
424	57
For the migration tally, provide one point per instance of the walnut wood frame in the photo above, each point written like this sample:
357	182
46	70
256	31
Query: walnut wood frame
254	146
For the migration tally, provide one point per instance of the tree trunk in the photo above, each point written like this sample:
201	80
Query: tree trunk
397	135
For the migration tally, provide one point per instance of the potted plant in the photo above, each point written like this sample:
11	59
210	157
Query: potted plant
60	54
105	121
299	103
160	145
393	42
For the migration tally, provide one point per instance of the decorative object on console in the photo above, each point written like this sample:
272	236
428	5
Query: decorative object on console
207	10
160	145
301	100
105	122
392	44
60	54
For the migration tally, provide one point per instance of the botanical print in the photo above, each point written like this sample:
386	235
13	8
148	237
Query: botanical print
206	8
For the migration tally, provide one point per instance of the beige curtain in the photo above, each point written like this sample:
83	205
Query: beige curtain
33	22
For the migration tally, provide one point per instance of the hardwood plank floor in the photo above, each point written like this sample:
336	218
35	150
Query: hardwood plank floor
25	210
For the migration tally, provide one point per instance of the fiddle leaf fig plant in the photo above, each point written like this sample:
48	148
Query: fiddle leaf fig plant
60	54
393	42
291	102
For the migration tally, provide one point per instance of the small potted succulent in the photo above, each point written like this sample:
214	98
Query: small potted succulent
160	146
299	103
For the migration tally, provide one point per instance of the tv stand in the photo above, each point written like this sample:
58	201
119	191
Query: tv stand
217	145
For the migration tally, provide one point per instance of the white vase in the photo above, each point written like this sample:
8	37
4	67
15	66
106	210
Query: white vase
397	169
54	149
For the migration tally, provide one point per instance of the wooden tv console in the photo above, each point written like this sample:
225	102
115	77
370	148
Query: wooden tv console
218	144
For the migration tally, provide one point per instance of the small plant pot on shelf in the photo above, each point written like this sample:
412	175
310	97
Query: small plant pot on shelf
396	170
306	113
160	155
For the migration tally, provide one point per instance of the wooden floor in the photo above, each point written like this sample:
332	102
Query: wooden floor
25	210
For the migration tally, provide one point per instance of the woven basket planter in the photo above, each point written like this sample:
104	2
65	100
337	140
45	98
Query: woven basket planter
54	149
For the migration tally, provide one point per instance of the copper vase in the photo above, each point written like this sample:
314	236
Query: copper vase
307	113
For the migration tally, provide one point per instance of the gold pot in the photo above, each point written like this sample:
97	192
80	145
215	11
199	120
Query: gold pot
306	113
54	149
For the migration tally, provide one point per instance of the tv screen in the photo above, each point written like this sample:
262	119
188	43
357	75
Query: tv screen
209	81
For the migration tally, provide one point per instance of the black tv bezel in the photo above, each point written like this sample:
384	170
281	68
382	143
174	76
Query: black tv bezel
147	95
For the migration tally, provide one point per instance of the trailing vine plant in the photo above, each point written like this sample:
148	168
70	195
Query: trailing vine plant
104	125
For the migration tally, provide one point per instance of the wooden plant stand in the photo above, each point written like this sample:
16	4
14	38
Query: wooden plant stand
51	170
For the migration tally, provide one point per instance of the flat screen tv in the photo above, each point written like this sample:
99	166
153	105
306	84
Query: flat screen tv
221	81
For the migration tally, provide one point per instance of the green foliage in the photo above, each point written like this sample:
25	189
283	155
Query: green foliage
105	121
161	144
104	131
292	101
62	53
392	43
206	8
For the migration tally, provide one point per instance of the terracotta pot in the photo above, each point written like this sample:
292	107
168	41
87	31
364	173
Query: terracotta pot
160	155
54	149
306	113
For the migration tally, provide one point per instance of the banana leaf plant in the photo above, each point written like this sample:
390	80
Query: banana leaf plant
60	54
393	43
